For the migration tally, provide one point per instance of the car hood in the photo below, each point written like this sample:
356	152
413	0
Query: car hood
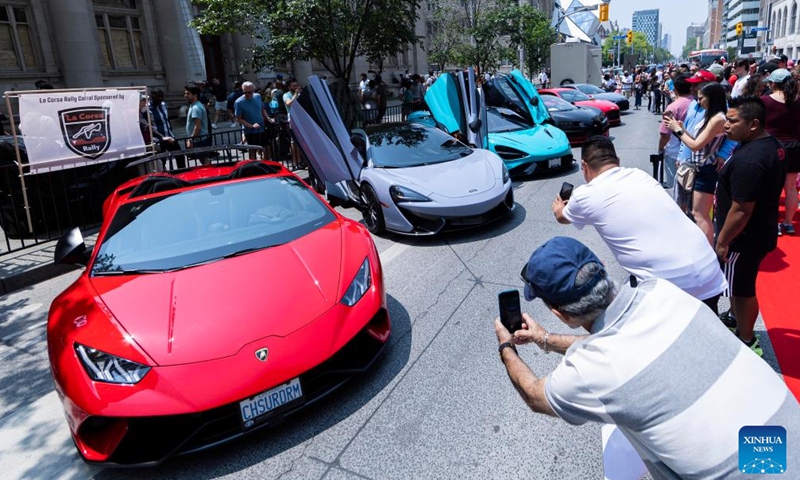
611	97
537	140
582	114
212	311
603	105
471	175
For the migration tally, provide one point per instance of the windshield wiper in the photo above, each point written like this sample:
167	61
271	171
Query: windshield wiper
141	271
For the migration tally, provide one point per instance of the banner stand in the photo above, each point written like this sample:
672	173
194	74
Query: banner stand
149	148
19	164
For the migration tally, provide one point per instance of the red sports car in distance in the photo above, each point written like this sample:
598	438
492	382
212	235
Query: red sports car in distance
610	109
218	300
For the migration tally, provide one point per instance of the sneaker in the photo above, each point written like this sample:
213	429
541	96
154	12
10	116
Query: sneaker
729	320
780	229
213	125
788	229
754	346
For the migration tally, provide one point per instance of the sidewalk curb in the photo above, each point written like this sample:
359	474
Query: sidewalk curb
33	276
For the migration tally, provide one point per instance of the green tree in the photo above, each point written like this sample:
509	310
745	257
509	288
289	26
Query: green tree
489	26
688	49
531	31
446	32
332	32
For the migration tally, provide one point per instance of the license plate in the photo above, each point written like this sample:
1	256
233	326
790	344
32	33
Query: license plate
554	163
265	402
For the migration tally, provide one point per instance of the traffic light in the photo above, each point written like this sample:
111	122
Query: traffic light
630	37
739	28
603	12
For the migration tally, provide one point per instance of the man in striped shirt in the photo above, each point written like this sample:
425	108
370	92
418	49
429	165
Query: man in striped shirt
656	363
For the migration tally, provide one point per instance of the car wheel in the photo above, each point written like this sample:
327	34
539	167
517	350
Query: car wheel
373	213
567	81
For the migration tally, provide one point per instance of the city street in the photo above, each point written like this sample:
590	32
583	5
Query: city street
437	405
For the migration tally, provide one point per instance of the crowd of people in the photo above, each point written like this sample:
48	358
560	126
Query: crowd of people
646	334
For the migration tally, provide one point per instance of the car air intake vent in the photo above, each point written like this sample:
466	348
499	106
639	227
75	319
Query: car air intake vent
156	184
508	153
253	169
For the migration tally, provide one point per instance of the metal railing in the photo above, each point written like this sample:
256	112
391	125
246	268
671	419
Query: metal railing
64	199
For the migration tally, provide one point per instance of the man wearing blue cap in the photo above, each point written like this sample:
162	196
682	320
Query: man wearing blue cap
632	370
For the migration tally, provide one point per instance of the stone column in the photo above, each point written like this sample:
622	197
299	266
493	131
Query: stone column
180	44
75	32
301	69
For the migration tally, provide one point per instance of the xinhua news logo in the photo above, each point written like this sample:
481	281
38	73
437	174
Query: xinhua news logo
762	449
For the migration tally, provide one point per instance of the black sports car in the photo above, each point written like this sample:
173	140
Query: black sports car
579	123
600	94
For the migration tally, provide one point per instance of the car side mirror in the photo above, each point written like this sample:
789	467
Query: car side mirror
71	249
475	125
535	101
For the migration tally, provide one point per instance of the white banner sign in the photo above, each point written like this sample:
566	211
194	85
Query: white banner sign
76	128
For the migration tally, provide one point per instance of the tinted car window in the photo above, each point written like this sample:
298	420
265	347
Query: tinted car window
573	96
589	89
504	120
207	224
555	104
411	145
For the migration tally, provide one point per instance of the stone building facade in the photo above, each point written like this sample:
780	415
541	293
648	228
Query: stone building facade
112	43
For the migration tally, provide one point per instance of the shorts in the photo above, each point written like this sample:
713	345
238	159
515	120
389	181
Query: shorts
741	271
221	106
706	179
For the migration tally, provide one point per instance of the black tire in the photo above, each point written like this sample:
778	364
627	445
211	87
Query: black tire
373	211
567	81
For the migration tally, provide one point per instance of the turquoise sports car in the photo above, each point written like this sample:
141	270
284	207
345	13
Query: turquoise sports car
504	115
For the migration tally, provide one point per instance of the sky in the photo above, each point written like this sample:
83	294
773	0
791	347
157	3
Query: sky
675	16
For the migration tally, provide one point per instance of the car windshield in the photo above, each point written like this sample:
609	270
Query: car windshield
573	96
589	89
207	224
555	104
412	145
504	120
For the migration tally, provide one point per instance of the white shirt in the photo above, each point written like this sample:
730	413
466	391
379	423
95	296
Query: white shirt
664	369
646	231
738	87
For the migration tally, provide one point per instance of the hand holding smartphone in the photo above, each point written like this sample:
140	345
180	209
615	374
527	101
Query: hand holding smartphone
566	191
510	310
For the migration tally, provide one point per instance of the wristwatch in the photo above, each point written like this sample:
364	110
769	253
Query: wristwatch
678	133
505	345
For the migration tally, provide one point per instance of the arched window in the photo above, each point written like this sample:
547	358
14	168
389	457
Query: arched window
793	21
772	25
783	25
777	27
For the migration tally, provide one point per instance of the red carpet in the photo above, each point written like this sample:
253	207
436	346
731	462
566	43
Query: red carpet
778	288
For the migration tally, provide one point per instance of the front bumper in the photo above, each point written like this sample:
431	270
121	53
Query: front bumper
430	220
131	432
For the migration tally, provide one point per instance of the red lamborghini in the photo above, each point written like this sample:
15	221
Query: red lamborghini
576	97
217	300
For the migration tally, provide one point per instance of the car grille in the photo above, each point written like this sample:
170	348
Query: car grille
150	440
623	105
613	117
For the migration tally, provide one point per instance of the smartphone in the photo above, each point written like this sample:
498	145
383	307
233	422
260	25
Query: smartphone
566	191
669	114
510	311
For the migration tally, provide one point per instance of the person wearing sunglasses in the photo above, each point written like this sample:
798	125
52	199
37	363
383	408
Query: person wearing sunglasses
640	368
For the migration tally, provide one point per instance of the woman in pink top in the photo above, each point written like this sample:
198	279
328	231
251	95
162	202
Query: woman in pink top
783	123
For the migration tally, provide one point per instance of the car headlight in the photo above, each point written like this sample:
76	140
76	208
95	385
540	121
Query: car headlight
403	194
359	286
104	367
506	175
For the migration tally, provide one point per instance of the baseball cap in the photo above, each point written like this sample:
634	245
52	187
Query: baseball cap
702	76
552	269
716	69
779	75
767	68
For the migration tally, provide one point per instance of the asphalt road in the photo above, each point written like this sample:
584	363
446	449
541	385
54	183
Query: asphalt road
438	405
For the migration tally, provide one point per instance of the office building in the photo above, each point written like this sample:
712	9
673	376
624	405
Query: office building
647	22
